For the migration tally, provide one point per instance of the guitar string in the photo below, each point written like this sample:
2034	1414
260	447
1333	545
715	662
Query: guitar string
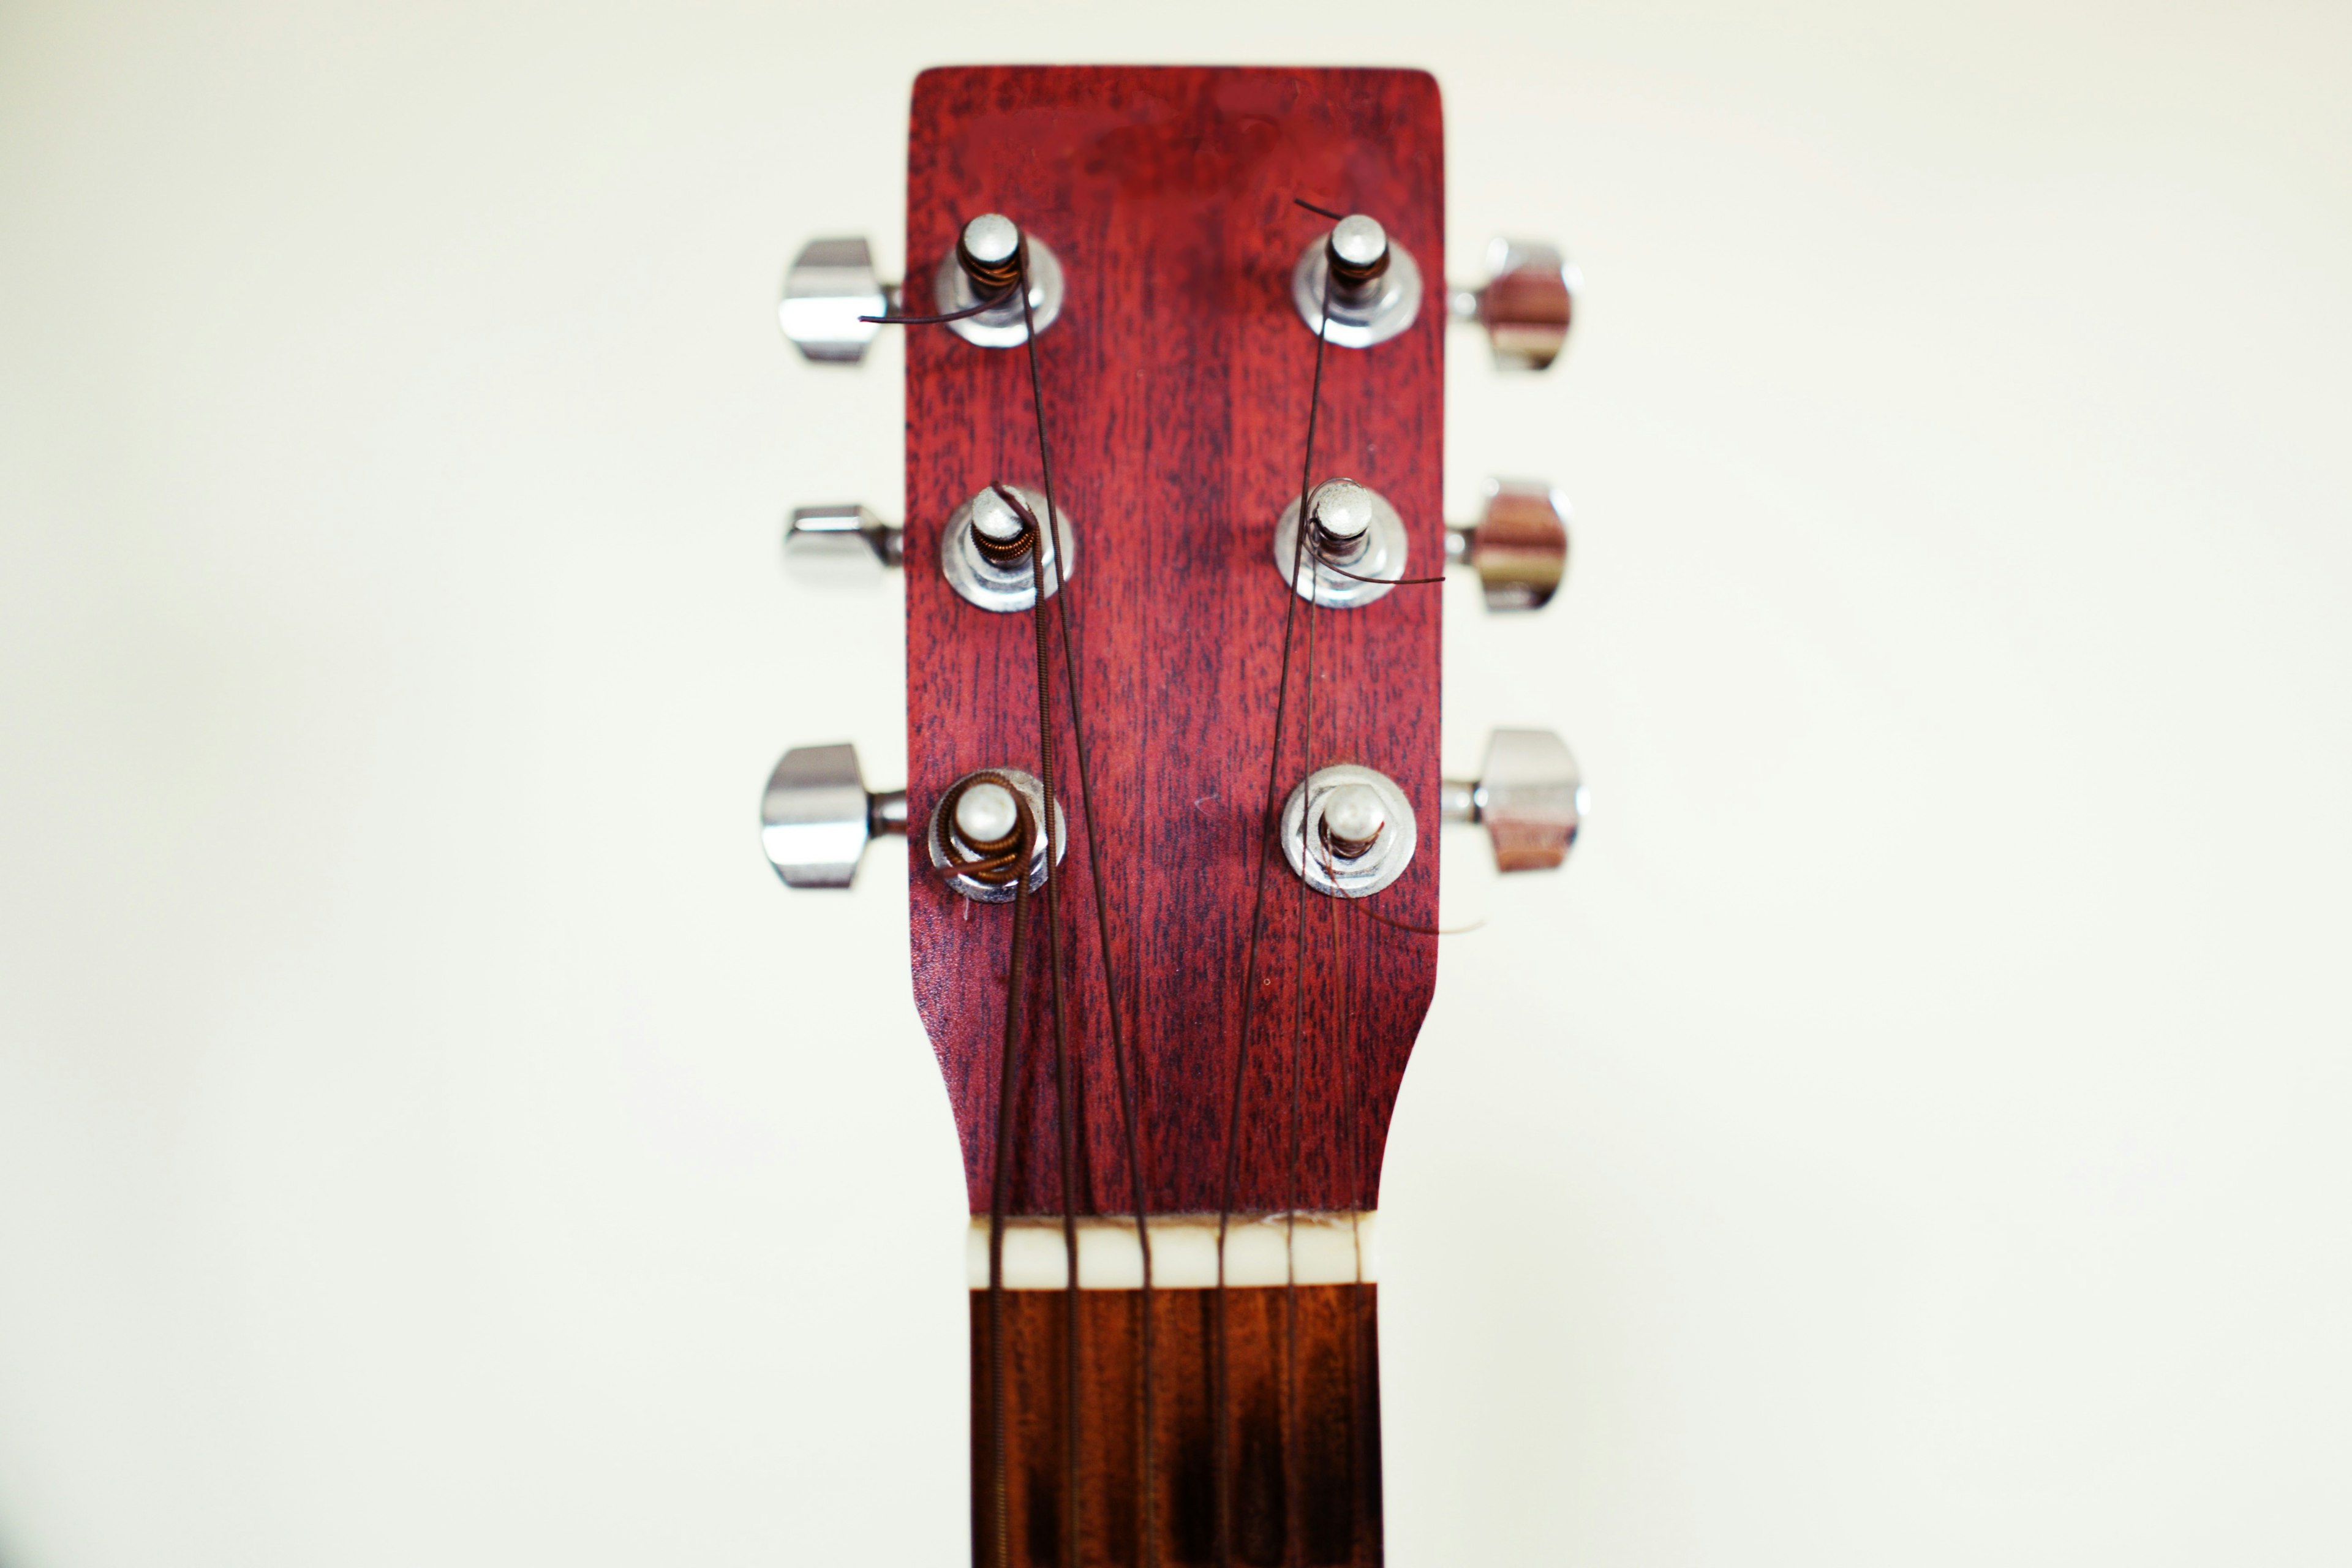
1066	1090
1359	1435
1064	1100
1007	1088
1359	1469
1009	1056
1130	1087
1298	1093
1268	831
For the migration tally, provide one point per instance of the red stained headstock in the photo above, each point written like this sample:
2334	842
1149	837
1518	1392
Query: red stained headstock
1176	384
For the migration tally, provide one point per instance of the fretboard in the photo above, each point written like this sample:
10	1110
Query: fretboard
1296	1445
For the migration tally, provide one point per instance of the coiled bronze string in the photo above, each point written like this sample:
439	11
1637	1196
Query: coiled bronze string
1351	277
996	861
1005	552
993	276
1343	848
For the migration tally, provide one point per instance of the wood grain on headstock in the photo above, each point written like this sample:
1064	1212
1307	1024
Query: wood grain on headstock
1176	385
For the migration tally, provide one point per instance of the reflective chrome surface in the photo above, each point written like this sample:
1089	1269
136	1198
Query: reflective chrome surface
944	857
1529	796
1302	825
830	285
1001	328
1526	303
1519	546
1379	555
818	816
1359	318
1007	587
842	541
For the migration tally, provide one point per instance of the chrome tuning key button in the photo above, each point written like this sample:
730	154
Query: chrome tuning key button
830	285
1519	546
818	816
1530	796
844	540
1525	305
1374	284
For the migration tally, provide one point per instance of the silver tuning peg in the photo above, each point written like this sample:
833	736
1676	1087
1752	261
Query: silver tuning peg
818	816
830	285
1526	304
1519	546
841	540
1530	796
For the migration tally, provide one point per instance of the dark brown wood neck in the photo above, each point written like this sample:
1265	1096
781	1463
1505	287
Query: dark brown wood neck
1298	1452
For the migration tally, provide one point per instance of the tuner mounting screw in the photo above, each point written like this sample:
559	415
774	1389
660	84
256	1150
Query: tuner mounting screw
1375	285
1530	796
1349	831
1526	305
816	817
1519	546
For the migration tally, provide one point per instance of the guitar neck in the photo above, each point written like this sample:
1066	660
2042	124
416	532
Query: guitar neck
1249	1434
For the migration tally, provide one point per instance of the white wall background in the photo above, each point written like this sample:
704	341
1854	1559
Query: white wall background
1912	1133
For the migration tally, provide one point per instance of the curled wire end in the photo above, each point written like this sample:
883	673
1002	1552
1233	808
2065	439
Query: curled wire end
1409	926
1318	212
990	303
1325	562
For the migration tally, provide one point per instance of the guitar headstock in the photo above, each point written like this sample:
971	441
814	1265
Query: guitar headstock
1167	282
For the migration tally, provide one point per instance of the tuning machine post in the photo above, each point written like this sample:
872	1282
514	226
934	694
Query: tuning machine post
1529	795
1525	304
1518	545
832	293
816	817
